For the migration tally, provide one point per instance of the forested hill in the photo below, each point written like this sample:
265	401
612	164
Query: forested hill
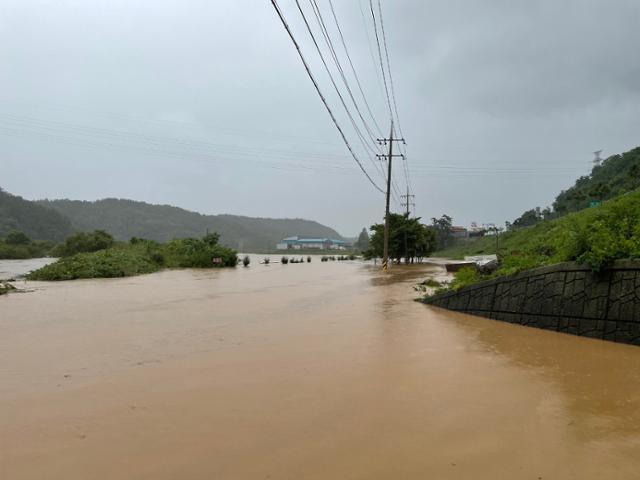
616	175
36	221
126	218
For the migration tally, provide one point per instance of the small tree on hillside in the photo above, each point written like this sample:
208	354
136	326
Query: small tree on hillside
442	228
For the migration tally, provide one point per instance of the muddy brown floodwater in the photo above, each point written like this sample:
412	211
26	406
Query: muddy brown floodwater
309	371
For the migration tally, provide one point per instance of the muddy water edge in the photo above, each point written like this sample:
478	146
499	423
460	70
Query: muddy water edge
300	371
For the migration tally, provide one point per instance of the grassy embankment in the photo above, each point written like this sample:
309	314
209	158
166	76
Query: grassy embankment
138	257
595	237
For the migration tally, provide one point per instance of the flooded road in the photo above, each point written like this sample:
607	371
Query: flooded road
303	371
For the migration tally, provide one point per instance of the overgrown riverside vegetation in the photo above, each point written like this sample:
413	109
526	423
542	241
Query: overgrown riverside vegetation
82	257
595	237
16	245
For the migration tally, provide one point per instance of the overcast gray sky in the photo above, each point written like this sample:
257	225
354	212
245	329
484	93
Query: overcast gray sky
204	104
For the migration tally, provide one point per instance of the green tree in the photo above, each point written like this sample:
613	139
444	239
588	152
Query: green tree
16	238
362	243
528	218
407	236
442	227
211	239
84	243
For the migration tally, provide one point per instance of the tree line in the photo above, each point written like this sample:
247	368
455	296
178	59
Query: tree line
409	239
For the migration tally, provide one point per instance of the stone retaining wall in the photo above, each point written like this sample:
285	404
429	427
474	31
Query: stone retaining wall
567	298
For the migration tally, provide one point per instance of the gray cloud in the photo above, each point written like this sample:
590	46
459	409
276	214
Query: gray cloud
205	104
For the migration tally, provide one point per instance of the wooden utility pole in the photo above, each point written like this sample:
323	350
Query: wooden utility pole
408	203
389	157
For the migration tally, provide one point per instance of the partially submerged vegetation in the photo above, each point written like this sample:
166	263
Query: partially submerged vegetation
16	246
137	257
595	237
6	287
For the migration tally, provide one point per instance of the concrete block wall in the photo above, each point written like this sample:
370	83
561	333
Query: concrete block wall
567	298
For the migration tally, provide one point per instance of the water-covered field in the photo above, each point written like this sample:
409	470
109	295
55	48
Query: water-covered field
303	371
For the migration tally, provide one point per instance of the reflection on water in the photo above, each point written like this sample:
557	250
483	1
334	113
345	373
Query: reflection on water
306	371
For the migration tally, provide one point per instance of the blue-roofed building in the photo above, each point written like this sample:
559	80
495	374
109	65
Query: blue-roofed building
298	243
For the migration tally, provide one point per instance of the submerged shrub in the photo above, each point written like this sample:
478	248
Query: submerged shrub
284	260
115	262
84	243
246	261
197	253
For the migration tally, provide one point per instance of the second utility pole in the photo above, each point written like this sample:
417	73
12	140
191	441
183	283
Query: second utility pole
385	258
407	204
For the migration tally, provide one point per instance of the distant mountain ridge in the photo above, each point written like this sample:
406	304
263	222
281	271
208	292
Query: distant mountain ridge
36	221
128	218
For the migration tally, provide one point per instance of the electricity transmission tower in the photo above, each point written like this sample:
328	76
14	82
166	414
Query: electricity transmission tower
598	159
389	157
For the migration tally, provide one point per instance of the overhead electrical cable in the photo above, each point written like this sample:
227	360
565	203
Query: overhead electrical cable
363	140
386	51
324	101
353	69
384	76
327	38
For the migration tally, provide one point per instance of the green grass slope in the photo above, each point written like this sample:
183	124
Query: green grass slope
596	237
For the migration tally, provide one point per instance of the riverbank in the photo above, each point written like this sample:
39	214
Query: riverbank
315	371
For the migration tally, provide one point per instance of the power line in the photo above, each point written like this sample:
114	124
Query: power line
386	51
327	39
384	76
324	101
363	141
355	74
405	162
336	61
370	47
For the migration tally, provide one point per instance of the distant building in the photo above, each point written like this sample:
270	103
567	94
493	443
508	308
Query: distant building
297	243
459	232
